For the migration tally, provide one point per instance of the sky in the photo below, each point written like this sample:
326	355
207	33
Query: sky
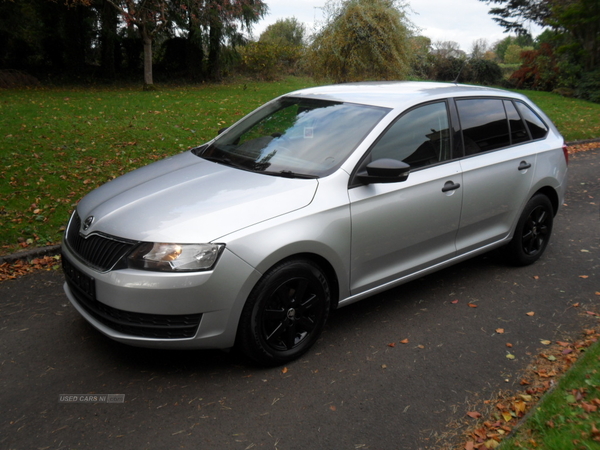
461	21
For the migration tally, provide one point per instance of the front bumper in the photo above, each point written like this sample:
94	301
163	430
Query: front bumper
162	310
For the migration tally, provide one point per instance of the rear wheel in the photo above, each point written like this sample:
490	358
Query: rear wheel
285	313
533	232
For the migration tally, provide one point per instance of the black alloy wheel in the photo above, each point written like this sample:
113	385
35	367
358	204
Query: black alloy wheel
533	231
285	313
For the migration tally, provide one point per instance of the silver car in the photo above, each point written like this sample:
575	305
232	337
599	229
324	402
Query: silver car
318	199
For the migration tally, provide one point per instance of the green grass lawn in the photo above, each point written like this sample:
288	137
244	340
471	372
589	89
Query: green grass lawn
575	119
59	144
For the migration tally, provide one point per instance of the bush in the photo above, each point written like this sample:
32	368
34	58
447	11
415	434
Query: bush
589	87
539	70
269	62
483	71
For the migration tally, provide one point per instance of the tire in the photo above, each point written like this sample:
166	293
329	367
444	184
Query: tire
532	233
285	313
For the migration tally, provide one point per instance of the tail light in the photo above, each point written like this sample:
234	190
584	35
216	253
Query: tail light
566	152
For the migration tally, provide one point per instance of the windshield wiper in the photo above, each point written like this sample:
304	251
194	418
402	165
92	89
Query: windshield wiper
224	160
290	174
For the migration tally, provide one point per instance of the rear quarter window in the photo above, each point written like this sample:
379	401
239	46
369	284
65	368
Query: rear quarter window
537	127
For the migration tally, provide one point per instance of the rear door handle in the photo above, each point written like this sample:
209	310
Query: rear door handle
524	165
450	186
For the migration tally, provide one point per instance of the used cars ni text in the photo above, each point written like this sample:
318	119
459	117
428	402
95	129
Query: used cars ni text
318	199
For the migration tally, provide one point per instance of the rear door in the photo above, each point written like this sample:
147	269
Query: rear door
497	170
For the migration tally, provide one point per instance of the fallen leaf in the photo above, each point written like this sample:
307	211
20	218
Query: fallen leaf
509	345
472	305
588	407
531	313
454	302
284	370
491	444
404	341
510	356
383	366
469	445
499	330
392	344
519	406
474	414
506	416
583	276
546	342
332	407
535	277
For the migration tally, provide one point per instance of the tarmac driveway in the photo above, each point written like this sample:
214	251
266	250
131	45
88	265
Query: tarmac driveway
353	390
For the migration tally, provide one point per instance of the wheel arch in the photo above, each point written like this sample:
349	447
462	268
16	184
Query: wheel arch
552	195
325	266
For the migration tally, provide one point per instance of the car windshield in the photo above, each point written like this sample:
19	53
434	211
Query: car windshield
295	137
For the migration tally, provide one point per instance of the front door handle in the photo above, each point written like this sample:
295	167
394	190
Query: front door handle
524	165
450	186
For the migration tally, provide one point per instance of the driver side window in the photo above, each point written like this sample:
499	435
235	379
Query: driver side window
420	137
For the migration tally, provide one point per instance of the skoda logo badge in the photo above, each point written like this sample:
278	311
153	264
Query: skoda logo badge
88	222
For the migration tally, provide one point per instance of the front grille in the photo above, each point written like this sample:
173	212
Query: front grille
99	251
159	326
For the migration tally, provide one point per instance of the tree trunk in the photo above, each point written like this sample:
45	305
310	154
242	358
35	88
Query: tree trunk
147	39
214	50
108	41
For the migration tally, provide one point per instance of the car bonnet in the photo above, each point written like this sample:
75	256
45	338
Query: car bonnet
186	199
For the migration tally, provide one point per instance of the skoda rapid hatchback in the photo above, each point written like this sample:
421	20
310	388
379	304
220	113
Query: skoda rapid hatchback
318	199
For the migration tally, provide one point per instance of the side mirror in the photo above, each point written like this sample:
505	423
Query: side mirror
385	171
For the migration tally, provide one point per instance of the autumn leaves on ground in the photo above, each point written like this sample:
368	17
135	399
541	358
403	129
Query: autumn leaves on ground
486	428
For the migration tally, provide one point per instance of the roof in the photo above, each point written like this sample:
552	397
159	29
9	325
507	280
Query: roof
392	94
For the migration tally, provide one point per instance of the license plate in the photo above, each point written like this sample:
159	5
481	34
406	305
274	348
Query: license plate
82	283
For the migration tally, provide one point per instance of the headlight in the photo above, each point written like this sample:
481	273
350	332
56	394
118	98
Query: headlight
175	257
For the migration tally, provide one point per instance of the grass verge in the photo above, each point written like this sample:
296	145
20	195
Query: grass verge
568	417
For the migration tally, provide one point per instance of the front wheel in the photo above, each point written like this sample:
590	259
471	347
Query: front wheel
532	233
285	313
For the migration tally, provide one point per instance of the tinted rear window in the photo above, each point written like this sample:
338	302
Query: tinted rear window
484	124
518	131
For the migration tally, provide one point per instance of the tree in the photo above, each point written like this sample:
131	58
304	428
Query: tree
579	19
360	40
287	32
149	17
479	48
513	54
448	49
513	15
224	21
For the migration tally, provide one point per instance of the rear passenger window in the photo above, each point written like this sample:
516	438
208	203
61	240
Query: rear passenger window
420	137
484	124
518	132
537	128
